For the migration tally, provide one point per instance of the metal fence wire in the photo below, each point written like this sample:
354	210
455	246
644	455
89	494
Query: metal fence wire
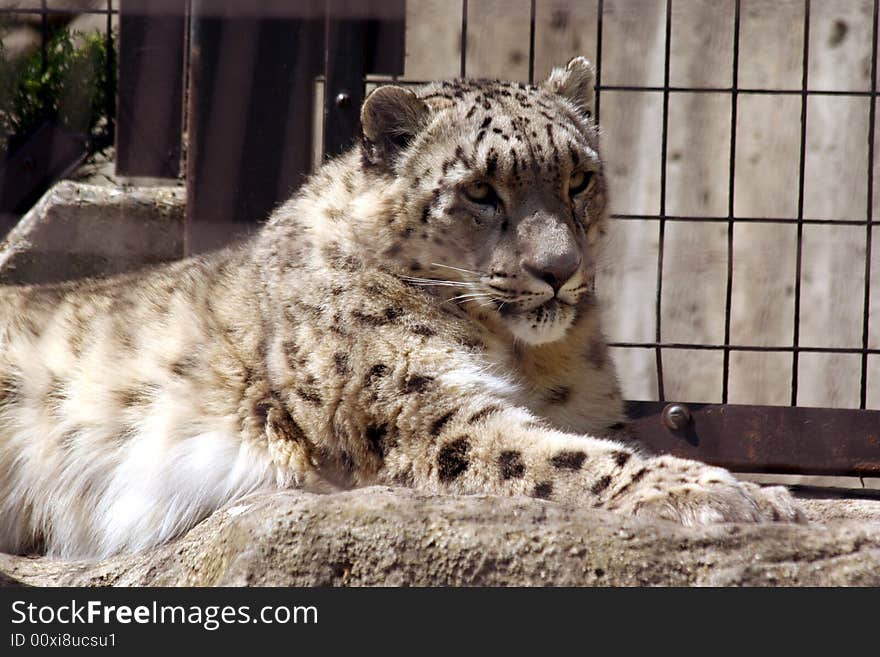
735	93
787	425
658	345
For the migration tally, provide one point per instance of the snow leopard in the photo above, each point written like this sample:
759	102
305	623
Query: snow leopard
422	313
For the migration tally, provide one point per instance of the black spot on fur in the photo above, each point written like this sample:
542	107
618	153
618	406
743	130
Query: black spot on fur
568	460
404	477
426	212
600	485
138	395
377	371
440	422
183	366
491	163
247	375
486	123
392	314
417	383
340	362
393	250
543	490
617	426
424	330
280	422
439	95
376	439
557	395
511	465
10	389
452	459
483	413
637	477
262	408
310	395
473	344
480	135
338	325
56	394
369	320
621	457
347	462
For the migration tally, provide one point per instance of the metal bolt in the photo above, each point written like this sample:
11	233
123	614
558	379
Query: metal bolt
676	416
343	99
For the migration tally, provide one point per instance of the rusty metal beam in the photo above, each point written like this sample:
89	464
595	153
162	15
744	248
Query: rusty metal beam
780	439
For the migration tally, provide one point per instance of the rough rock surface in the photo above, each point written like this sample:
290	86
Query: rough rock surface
383	536
79	230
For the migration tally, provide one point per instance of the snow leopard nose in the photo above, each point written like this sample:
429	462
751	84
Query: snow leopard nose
554	269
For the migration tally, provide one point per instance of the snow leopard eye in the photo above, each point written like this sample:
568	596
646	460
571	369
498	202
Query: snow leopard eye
482	193
579	181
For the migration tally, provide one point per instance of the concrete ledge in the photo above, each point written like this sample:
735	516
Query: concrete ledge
78	230
383	536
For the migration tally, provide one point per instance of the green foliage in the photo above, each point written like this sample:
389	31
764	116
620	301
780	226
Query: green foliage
72	90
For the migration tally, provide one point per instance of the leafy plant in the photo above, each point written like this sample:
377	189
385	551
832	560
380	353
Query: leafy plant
72	89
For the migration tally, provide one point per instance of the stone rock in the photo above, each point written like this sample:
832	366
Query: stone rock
393	537
79	230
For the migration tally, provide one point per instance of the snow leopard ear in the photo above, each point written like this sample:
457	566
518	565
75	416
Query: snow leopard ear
390	118
576	82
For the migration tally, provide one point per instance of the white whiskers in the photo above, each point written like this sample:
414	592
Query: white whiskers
476	274
473	287
415	280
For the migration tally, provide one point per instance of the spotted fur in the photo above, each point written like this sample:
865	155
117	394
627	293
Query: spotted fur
421	313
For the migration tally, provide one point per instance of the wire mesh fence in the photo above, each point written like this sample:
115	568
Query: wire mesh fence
739	139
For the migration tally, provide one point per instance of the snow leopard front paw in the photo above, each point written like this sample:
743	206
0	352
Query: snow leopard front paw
693	494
